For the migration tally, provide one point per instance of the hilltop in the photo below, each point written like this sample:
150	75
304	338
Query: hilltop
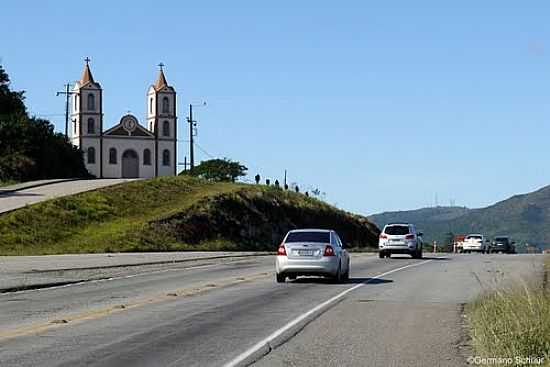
173	213
525	217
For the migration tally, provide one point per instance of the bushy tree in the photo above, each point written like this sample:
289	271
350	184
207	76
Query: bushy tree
29	147
220	170
11	102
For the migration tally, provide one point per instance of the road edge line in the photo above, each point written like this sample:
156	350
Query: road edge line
293	327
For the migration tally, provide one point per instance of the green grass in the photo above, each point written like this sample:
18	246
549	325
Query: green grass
101	220
513	322
172	213
8	183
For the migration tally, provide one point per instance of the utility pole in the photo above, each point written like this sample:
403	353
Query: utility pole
67	94
192	124
285	179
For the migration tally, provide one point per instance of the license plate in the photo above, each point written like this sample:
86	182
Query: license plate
397	242
305	252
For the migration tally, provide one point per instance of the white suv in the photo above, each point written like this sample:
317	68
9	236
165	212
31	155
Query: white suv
475	242
400	238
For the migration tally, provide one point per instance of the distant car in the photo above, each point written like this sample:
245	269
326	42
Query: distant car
400	238
503	244
316	252
475	243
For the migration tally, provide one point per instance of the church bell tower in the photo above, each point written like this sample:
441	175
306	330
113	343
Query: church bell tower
162	121
87	120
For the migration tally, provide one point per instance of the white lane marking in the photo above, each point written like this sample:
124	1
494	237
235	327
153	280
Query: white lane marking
241	357
83	282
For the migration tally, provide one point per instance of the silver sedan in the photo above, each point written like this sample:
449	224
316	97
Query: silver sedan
317	252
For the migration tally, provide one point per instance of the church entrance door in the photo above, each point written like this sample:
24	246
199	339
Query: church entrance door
130	164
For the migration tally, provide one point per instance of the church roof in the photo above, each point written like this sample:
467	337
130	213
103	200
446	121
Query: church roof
161	81
86	75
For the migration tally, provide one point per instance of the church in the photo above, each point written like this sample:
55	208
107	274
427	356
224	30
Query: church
128	149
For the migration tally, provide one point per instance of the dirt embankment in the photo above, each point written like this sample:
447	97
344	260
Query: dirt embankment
258	218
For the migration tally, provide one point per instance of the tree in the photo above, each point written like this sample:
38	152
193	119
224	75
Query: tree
11	102
220	170
257	178
29	147
297	188
277	183
286	186
267	181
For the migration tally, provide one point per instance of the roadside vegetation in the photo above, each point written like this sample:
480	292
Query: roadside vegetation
173	213
30	149
4	183
513	322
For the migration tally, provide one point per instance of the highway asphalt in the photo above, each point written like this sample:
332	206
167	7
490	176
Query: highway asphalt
392	312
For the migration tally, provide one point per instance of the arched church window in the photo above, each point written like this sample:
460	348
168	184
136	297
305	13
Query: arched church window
165	105
76	102
91	126
112	156
91	155
91	102
166	157
151	105
166	128
146	157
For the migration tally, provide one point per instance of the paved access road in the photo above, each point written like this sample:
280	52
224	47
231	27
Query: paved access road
22	195
396	312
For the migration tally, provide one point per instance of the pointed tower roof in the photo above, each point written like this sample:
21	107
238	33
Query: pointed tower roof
161	80
87	73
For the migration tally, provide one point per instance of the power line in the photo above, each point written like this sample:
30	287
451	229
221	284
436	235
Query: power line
204	151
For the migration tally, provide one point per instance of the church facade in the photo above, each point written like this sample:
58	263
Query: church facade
128	149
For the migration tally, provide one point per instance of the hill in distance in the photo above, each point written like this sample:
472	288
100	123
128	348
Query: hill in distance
526	218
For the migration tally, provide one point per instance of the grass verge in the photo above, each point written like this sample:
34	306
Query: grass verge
172	214
8	183
513	323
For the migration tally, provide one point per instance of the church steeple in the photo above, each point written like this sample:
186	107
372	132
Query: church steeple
87	73
161	80
162	121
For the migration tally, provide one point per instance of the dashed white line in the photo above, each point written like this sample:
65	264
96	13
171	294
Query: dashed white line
242	358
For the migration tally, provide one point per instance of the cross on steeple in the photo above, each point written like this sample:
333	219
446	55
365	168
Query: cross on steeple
87	59
161	65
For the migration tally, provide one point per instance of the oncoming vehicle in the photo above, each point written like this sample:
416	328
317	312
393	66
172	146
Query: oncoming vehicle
400	238
503	244
316	252
476	243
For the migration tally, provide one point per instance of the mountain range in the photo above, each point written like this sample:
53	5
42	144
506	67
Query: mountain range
526	218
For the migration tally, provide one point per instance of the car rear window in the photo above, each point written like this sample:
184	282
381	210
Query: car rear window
473	237
322	237
501	239
397	230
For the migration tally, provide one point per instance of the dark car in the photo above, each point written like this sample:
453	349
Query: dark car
503	244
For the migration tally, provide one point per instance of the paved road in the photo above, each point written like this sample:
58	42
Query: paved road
19	272
396	312
10	200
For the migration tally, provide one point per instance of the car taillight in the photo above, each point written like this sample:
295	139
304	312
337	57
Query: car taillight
329	251
383	237
409	237
281	251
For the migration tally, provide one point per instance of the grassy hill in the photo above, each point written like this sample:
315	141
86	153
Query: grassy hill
524	217
173	213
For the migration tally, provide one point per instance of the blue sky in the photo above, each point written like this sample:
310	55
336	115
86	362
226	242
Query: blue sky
381	105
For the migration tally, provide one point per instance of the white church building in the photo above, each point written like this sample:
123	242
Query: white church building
128	149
